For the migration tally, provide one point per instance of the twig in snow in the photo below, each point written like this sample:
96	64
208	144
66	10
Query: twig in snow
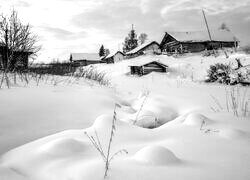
144	100
107	157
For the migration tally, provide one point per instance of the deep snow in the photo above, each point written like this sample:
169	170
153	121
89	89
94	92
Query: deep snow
31	112
197	137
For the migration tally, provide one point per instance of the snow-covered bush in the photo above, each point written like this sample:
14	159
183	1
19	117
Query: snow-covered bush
224	73
219	73
246	49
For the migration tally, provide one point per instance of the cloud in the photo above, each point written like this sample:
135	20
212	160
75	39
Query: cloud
211	7
23	4
57	32
62	34
114	18
83	25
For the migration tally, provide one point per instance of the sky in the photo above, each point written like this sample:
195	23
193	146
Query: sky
66	26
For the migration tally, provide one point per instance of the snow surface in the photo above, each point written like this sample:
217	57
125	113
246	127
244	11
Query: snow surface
196	136
32	112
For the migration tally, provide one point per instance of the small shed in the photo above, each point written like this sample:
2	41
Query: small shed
85	59
114	57
146	68
146	48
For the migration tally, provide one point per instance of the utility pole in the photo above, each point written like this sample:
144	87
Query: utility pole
207	25
209	34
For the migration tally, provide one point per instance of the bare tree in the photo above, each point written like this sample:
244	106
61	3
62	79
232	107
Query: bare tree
224	26
142	38
17	42
107	51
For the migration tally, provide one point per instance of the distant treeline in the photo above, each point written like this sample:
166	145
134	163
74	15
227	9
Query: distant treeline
57	68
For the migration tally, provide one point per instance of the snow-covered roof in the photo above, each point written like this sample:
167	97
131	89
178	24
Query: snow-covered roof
142	63
102	57
113	53
144	45
200	36
85	56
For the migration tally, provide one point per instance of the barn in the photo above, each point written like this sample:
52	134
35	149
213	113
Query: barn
114	57
197	41
146	68
84	59
146	48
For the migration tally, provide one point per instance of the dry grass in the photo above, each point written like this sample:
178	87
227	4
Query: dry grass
24	78
146	94
237	101
92	73
95	140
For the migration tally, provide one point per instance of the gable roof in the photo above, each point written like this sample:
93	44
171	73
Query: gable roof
113	54
143	63
141	47
84	56
201	36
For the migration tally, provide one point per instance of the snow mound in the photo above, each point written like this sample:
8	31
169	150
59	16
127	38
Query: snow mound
163	112
103	122
152	112
128	109
146	119
123	102
63	146
156	155
233	134
196	119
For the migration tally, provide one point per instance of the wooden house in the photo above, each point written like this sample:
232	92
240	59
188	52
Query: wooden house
146	68
146	48
114	57
197	41
84	59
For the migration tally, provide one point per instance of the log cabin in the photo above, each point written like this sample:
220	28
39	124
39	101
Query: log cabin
197	41
146	68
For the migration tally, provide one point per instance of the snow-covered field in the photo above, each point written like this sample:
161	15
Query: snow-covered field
198	135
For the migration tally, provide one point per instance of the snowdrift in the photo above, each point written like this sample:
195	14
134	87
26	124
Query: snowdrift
169	123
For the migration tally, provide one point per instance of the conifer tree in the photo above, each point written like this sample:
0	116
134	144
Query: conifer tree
130	41
102	51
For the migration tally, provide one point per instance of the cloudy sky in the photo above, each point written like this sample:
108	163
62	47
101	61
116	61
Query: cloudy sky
65	26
